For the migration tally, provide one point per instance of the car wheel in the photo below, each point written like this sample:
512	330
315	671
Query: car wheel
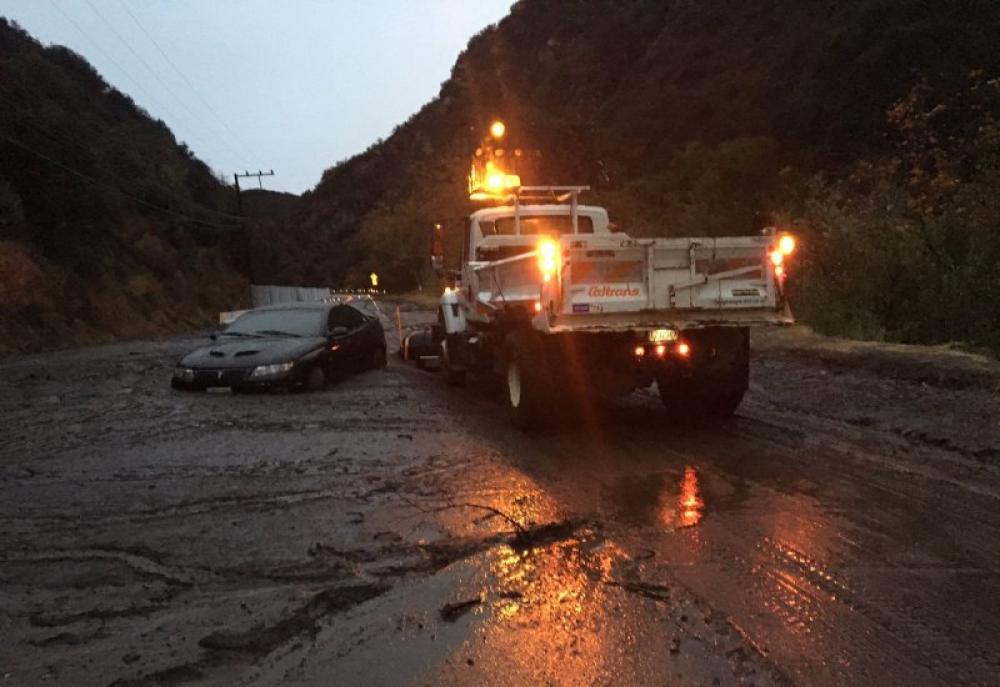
316	379
379	359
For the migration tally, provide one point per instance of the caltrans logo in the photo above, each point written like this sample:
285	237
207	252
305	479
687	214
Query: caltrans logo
608	291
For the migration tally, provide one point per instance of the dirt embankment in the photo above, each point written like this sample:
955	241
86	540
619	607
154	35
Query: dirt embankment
947	366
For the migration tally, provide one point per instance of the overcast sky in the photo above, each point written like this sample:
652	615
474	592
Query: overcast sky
293	85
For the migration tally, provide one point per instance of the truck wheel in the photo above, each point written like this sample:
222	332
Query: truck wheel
713	389
526	380
452	377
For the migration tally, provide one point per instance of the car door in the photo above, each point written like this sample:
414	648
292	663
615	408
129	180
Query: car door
353	348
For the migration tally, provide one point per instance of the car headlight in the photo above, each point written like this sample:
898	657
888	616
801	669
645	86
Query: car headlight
272	370
184	374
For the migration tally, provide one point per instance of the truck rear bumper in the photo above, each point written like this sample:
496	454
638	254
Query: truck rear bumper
661	319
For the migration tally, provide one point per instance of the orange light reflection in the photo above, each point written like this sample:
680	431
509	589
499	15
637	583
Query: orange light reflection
688	509
691	505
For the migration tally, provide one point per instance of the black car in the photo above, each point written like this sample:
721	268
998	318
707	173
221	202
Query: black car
287	346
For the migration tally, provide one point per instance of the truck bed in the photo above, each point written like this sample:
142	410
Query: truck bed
609	282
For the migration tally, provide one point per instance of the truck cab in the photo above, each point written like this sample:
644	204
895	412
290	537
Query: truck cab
498	234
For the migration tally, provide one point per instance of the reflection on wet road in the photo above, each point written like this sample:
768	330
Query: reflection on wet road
409	536
834	565
690	507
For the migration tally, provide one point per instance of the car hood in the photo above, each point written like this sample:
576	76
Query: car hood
250	352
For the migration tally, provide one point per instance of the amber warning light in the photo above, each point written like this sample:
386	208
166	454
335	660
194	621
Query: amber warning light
492	176
784	248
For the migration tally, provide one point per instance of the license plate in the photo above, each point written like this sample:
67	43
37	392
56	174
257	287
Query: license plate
662	335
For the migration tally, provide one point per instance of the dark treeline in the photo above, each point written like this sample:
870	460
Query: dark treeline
869	125
108	226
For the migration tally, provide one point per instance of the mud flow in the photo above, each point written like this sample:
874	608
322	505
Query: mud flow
840	530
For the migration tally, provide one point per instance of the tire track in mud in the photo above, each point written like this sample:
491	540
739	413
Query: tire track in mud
252	645
248	502
909	624
926	641
141	561
926	631
815	509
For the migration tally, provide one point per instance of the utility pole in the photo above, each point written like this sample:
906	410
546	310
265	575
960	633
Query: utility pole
248	234
236	178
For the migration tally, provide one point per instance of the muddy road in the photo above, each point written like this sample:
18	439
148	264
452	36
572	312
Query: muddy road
843	529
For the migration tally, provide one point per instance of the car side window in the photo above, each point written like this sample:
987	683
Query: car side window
345	316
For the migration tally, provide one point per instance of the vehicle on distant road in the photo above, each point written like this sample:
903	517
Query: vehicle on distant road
294	346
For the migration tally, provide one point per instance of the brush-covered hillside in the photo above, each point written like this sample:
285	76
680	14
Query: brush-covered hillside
870	125
109	227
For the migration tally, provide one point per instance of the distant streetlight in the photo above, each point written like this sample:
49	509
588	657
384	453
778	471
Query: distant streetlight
497	129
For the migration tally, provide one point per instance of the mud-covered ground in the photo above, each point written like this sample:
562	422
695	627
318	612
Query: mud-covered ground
843	529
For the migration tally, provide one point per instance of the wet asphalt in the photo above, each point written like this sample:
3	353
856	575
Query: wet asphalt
841	530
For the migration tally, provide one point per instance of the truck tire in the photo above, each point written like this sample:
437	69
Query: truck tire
526	380
452	377
713	388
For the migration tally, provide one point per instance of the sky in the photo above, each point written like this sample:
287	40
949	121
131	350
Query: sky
289	85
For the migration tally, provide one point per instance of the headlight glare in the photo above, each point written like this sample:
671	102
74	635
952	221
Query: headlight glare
272	370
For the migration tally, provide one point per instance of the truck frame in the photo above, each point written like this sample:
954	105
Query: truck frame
555	306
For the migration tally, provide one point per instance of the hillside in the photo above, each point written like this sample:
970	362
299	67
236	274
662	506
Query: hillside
109	227
704	118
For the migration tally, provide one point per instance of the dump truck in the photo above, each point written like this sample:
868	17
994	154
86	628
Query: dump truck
553	304
556	307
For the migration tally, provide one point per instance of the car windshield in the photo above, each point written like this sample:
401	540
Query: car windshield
297	322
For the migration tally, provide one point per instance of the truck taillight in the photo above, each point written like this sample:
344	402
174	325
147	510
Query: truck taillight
683	349
548	258
777	257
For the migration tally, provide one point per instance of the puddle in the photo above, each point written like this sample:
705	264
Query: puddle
660	499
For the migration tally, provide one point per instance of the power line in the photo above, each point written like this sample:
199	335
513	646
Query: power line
156	76
67	139
88	178
194	90
114	61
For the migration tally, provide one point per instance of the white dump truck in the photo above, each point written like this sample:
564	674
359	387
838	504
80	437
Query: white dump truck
556	305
